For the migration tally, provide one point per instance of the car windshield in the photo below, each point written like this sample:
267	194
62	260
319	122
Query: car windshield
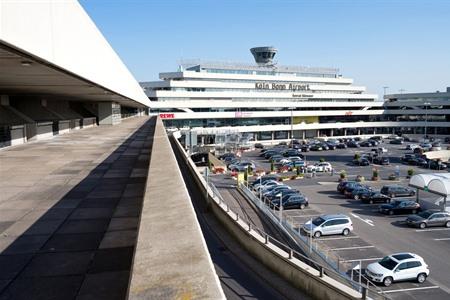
318	221
425	214
388	263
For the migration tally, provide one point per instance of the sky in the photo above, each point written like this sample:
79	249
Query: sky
399	44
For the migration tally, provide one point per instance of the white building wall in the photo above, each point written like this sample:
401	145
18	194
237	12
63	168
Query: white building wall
61	32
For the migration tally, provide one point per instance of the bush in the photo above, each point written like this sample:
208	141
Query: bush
410	172
272	166
322	160
357	156
343	174
297	171
392	177
375	173
360	178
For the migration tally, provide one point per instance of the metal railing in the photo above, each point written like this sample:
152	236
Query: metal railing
333	263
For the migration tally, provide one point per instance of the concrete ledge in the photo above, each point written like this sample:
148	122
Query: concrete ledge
171	258
293	270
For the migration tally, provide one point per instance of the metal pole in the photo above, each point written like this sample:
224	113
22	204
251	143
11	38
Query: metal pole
292	128
260	189
360	266
310	237
281	210
426	120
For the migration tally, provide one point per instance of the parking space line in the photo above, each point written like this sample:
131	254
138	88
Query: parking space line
353	248
412	289
340	238
363	259
443	239
435	229
305	216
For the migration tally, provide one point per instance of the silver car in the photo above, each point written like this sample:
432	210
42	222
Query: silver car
429	218
328	224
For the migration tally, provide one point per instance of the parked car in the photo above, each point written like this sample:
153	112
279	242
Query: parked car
418	161
341	185
397	191
291	152
407	158
265	185
398	267
400	207
373	197
348	189
328	224
381	161
437	165
316	147
324	167
365	144
263	179
379	150
426	146
291	201
341	146
361	162
276	192
353	144
305	148
412	146
429	218
259	146
331	145
242	166
360	190
396	142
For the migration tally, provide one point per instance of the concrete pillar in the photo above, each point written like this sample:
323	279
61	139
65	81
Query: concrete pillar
109	113
202	139
332	132
303	134
273	136
435	130
374	130
318	133
359	131
4	100
345	131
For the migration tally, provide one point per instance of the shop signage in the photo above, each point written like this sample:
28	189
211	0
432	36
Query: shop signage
167	116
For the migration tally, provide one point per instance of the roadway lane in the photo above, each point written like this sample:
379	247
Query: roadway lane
241	276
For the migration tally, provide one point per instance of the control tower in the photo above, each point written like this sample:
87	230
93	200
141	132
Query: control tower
264	55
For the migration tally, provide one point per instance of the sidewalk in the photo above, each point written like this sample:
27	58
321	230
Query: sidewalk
69	210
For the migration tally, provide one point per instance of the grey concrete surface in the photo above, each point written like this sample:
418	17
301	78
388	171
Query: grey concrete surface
69	210
171	259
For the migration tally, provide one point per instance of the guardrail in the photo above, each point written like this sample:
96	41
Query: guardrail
301	271
307	245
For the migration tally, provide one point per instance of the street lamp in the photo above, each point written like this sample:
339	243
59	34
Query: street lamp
384	89
292	125
426	118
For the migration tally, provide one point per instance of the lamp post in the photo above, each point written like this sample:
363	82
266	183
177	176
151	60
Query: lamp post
281	208
384	89
426	118
292	126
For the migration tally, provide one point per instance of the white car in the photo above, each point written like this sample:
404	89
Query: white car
311	168
426	146
412	146
324	167
398	267
285	160
265	185
295	158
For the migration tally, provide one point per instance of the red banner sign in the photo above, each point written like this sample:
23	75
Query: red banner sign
167	116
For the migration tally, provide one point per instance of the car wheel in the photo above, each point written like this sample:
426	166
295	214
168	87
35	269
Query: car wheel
356	197
371	201
391	195
388	200
414	211
421	277
447	224
302	206
317	234
346	231
422	225
387	281
391	212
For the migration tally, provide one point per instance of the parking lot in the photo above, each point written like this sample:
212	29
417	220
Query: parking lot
375	235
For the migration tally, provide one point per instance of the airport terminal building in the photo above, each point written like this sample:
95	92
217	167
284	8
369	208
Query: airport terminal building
270	102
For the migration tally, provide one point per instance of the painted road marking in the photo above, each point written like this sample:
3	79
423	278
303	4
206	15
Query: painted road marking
444	239
326	183
367	221
363	259
352	248
412	289
340	238
435	229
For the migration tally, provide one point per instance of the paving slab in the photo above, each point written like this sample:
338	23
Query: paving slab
57	202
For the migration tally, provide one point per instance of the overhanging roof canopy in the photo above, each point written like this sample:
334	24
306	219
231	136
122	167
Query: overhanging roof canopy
437	183
51	48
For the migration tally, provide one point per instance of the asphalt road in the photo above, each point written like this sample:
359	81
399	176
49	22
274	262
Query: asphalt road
375	235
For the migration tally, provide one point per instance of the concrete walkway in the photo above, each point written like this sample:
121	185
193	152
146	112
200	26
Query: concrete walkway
69	211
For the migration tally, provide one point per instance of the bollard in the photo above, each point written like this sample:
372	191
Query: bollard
237	217
321	271
249	226
266	239
290	253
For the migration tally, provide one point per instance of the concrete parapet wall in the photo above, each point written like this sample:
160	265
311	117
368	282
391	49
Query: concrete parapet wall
171	258
293	270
